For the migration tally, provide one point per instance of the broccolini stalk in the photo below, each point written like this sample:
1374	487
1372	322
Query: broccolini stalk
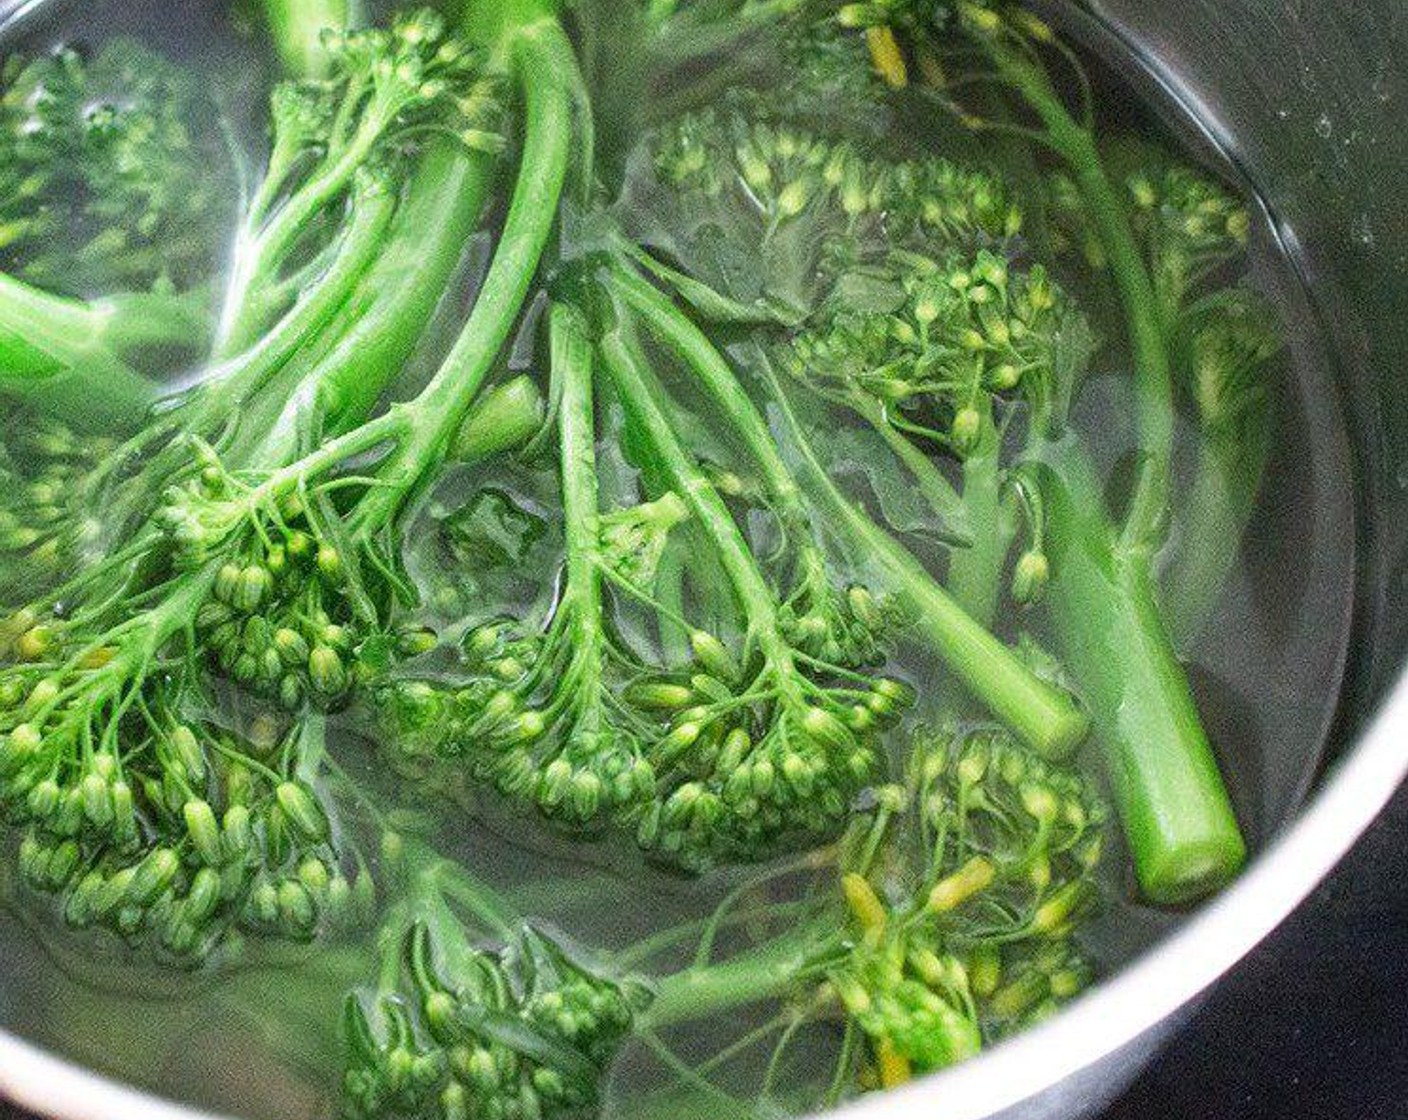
1158	751
67	356
1042	715
254	559
1180	824
814	614
1011	38
299	27
960	342
1231	342
541	719
544	70
383	86
790	738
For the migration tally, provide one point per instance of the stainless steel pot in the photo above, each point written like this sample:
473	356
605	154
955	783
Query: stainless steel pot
1314	96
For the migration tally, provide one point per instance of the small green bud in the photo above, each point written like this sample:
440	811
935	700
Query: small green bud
303	810
124	812
292	647
585	794
154	875
313	873
826	729
97	804
1029	579
297	911
237	832
253	587
204	832
966	431
63	864
714	656
204	896
326	671
553	785
680	739
659	696
187	750
44	799
330	564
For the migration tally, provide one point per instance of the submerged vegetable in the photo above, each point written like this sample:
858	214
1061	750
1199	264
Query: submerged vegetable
671	474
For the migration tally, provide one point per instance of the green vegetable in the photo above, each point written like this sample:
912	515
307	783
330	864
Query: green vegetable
1041	714
235	564
943	920
113	198
1161	757
507	483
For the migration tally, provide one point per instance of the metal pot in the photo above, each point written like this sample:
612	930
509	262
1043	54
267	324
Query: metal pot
1314	96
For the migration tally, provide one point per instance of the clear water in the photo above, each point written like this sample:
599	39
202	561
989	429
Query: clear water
1267	674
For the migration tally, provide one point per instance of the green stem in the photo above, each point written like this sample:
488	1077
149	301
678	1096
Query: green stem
1041	714
694	348
642	397
683	39
669	593
229	388
540	54
1209	534
139	324
495	24
758	975
383	320
571	356
1178	818
1146	518
297	28
56	354
975	571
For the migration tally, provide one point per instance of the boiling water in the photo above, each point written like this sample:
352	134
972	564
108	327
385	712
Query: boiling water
1267	675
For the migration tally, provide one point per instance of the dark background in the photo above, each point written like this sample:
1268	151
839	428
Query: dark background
1312	1026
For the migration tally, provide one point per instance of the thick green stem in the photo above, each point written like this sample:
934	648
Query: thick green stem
1178	818
1208	537
975	572
541	55
383	319
1146	520
642	397
231	386
571	353
768	972
297	27
56	354
1038	712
